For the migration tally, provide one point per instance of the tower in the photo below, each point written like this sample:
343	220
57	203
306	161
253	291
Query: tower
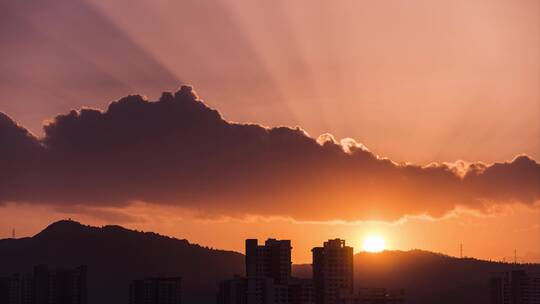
268	270
332	271
271	260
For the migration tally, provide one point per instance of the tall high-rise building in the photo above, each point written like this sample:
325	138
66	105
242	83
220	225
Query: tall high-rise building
268	276
332	271
271	260
268	270
515	287
154	290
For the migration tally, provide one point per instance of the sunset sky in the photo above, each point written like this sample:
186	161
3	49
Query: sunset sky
415	102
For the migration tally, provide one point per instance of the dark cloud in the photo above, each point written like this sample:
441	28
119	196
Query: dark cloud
48	67
19	157
178	151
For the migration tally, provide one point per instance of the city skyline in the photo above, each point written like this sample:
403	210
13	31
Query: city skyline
512	256
164	270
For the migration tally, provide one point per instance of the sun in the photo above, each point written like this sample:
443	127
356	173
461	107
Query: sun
373	243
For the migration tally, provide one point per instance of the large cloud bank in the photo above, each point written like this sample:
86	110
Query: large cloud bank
177	151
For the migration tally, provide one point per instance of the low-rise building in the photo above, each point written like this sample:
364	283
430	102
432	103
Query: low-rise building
45	286
375	296
515	287
156	290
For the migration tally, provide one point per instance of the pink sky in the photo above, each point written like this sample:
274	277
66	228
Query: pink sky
416	81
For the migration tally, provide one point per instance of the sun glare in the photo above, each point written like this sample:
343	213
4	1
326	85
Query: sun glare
373	243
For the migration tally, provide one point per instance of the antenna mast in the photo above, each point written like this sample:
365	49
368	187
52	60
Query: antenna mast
461	251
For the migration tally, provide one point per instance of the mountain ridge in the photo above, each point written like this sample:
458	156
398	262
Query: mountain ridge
115	255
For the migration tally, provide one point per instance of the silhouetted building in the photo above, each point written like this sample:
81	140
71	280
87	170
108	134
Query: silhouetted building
515	287
45	286
233	291
60	286
271	260
17	289
301	291
9	289
154	290
268	278
332	271
268	270
375	296
298	291
253	290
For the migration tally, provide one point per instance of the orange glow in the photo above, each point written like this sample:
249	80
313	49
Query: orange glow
373	243
488	240
415	81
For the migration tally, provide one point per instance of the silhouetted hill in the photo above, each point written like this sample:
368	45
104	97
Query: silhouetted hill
427	277
116	255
